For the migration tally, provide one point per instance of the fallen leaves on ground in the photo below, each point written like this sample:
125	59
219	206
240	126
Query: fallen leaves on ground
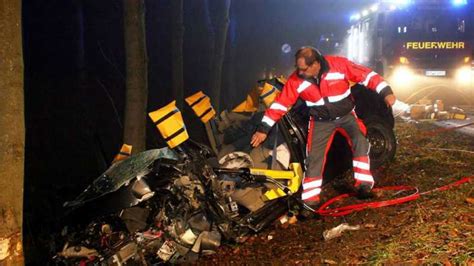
436	228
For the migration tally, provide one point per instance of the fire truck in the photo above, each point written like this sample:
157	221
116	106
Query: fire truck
424	48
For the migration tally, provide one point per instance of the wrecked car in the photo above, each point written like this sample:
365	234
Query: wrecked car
173	204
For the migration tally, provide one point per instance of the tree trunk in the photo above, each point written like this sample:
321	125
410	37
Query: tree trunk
12	133
211	44
136	71
177	52
221	36
232	92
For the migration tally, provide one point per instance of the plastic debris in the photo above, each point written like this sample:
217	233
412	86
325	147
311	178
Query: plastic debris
166	251
78	252
293	220
369	225
328	261
4	248
284	219
337	231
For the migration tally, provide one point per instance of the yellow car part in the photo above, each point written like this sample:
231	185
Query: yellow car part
293	179
169	122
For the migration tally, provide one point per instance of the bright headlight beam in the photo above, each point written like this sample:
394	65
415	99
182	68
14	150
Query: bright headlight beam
402	75
355	17
374	7
402	2
464	75
459	2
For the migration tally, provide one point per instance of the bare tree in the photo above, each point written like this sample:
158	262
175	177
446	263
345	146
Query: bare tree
211	36
222	25
136	69
177	52
12	133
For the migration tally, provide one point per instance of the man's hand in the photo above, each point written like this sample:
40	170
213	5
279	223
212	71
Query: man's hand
258	138
390	100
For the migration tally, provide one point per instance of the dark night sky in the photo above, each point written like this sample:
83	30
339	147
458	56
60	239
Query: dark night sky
75	80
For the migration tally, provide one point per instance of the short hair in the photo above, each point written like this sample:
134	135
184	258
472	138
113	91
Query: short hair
310	55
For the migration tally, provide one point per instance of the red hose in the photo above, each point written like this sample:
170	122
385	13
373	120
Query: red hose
324	210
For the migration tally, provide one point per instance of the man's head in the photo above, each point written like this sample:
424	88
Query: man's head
308	62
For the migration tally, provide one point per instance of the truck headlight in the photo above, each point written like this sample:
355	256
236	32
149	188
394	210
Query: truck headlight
464	75
402	75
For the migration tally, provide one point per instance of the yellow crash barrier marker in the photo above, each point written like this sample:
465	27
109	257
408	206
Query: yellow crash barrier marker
169	122
282	79
293	178
201	105
250	104
268	94
124	153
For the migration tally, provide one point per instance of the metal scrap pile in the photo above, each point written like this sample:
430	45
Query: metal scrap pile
437	110
426	109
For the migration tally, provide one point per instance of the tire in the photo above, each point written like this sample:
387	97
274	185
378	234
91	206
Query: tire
383	143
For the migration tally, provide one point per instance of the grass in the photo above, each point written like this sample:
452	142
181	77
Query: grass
435	232
443	232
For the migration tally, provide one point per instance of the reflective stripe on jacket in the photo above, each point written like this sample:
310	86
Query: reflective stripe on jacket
334	88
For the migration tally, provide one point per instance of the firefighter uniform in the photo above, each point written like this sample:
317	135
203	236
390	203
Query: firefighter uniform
331	110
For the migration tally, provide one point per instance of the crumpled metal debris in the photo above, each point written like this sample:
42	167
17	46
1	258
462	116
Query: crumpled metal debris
337	231
77	252
426	109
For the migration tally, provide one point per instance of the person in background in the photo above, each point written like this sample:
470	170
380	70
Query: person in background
323	82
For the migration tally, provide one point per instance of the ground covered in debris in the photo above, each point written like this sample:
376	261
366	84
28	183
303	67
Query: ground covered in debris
438	227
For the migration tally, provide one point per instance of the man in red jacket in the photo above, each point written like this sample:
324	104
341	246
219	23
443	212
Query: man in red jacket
323	82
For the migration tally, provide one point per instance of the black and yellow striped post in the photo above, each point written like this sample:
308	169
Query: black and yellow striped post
250	104
169	122
268	94
201	105
281	79
124	153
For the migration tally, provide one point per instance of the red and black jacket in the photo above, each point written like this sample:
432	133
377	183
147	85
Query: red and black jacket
328	96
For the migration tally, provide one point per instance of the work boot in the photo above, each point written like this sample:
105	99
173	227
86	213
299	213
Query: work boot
364	190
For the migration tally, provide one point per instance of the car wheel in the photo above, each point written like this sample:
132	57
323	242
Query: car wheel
382	141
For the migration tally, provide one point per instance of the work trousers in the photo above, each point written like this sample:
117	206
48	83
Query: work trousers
320	137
